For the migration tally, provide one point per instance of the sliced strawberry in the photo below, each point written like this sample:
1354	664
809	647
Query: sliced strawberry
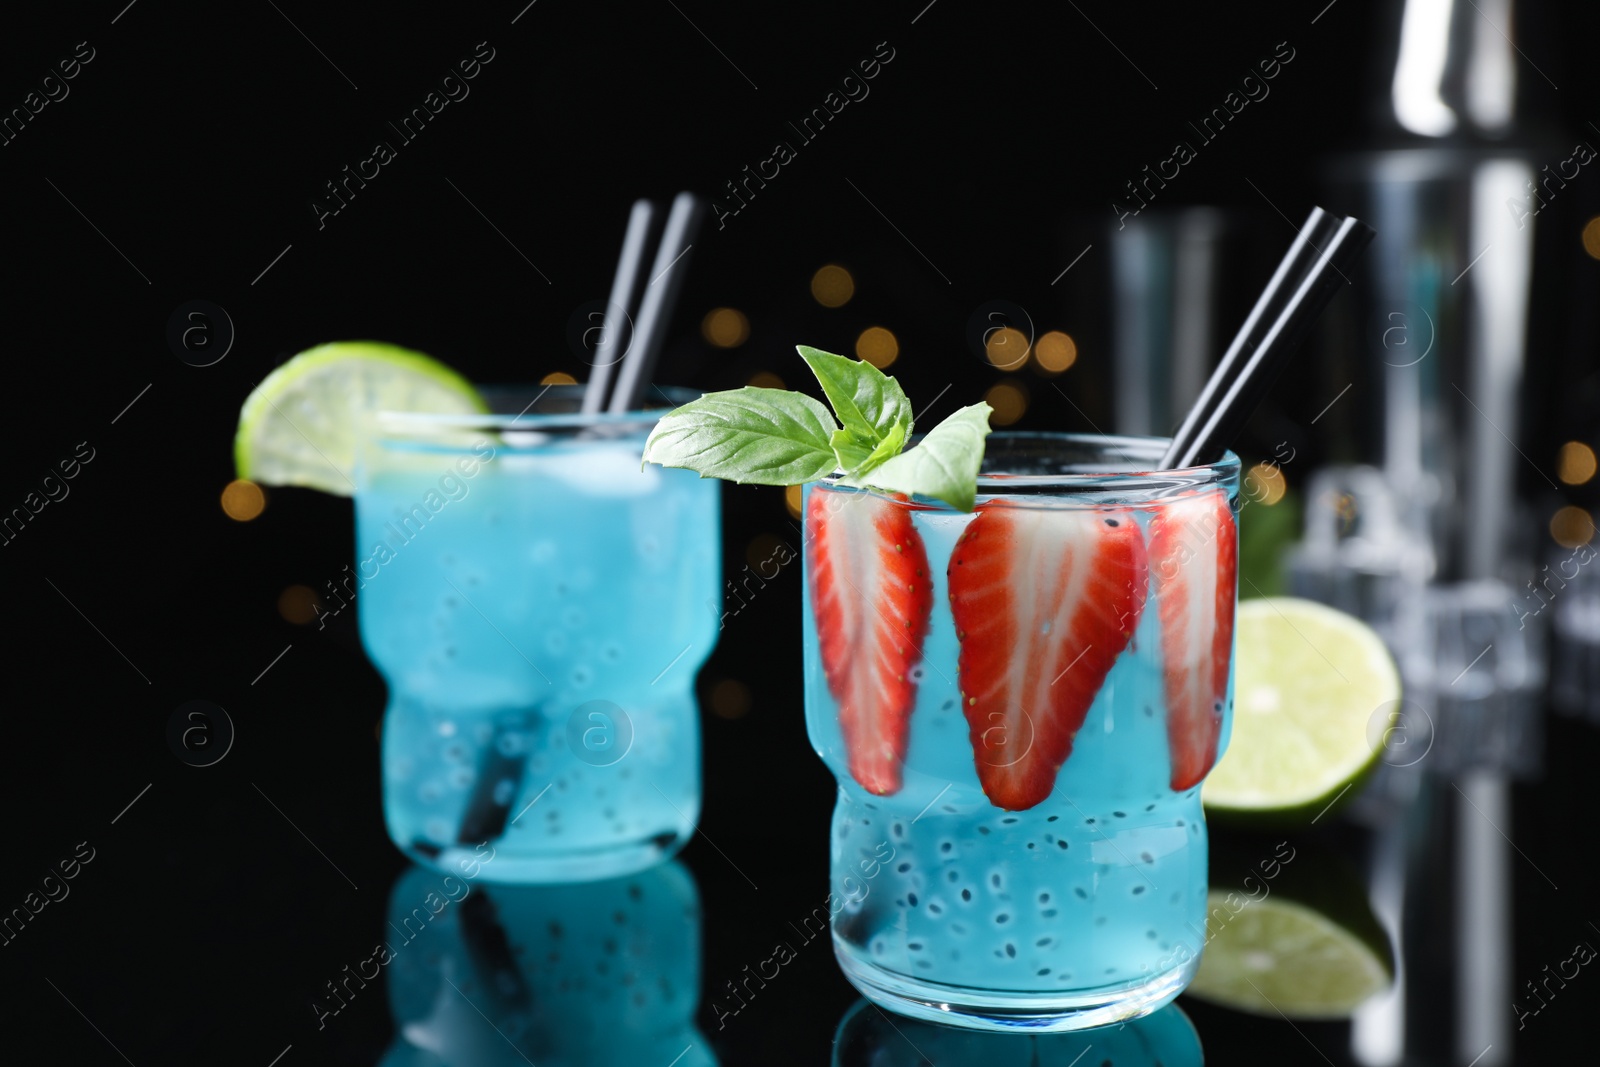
1044	600
1194	563
871	595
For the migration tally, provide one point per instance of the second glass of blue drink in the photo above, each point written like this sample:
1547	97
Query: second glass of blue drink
1020	705
536	603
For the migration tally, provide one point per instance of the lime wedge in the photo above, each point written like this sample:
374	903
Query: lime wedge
1308	681
1277	956
302	424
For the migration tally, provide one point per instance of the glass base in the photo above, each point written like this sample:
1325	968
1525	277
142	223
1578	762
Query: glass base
1042	1013
506	868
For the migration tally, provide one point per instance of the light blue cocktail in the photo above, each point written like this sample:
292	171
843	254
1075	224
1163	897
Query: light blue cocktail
537	604
1019	705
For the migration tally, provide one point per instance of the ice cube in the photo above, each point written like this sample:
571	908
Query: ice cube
608	470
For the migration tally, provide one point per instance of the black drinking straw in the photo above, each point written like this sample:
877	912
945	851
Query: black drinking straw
489	950
617	326
1234	390
485	817
655	309
1318	229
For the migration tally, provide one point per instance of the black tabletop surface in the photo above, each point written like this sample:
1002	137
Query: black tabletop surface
188	157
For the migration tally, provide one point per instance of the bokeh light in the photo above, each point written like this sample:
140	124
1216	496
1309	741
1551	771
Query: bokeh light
877	346
298	604
1265	484
1576	463
559	377
832	286
725	327
763	555
1007	348
1591	237
243	500
766	380
1055	352
1009	401
791	499
730	699
1571	527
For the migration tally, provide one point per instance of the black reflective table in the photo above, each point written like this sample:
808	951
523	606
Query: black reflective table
243	903
221	890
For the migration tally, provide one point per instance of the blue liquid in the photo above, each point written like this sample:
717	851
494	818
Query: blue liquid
1084	909
868	1038
583	975
540	633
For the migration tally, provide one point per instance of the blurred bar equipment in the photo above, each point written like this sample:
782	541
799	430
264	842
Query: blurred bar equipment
1575	629
1165	267
1421	536
1422	542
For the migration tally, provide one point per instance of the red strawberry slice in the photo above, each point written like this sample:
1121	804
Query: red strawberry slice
1044	600
871	595
1194	563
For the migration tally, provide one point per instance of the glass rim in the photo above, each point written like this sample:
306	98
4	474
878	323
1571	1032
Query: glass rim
1116	463
519	416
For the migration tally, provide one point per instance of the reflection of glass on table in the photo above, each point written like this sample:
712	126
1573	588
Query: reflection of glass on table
869	1038
576	975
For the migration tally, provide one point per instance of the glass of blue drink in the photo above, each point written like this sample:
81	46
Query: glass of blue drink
536	603
1020	705
597	974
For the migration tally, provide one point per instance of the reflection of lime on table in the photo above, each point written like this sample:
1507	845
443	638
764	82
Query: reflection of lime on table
1277	956
1307	681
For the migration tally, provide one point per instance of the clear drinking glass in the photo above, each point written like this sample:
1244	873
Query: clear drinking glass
1019	705
536	603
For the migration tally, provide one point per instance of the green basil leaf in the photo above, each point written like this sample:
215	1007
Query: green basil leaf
856	456
852	451
869	403
750	435
944	465
889	447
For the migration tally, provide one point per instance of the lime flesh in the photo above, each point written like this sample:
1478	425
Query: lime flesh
302	424
1308	681
1277	957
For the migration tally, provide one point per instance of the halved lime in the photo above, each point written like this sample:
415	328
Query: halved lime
1280	957
1308	681
302	424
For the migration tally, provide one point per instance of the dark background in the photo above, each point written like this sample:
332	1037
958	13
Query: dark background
194	143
